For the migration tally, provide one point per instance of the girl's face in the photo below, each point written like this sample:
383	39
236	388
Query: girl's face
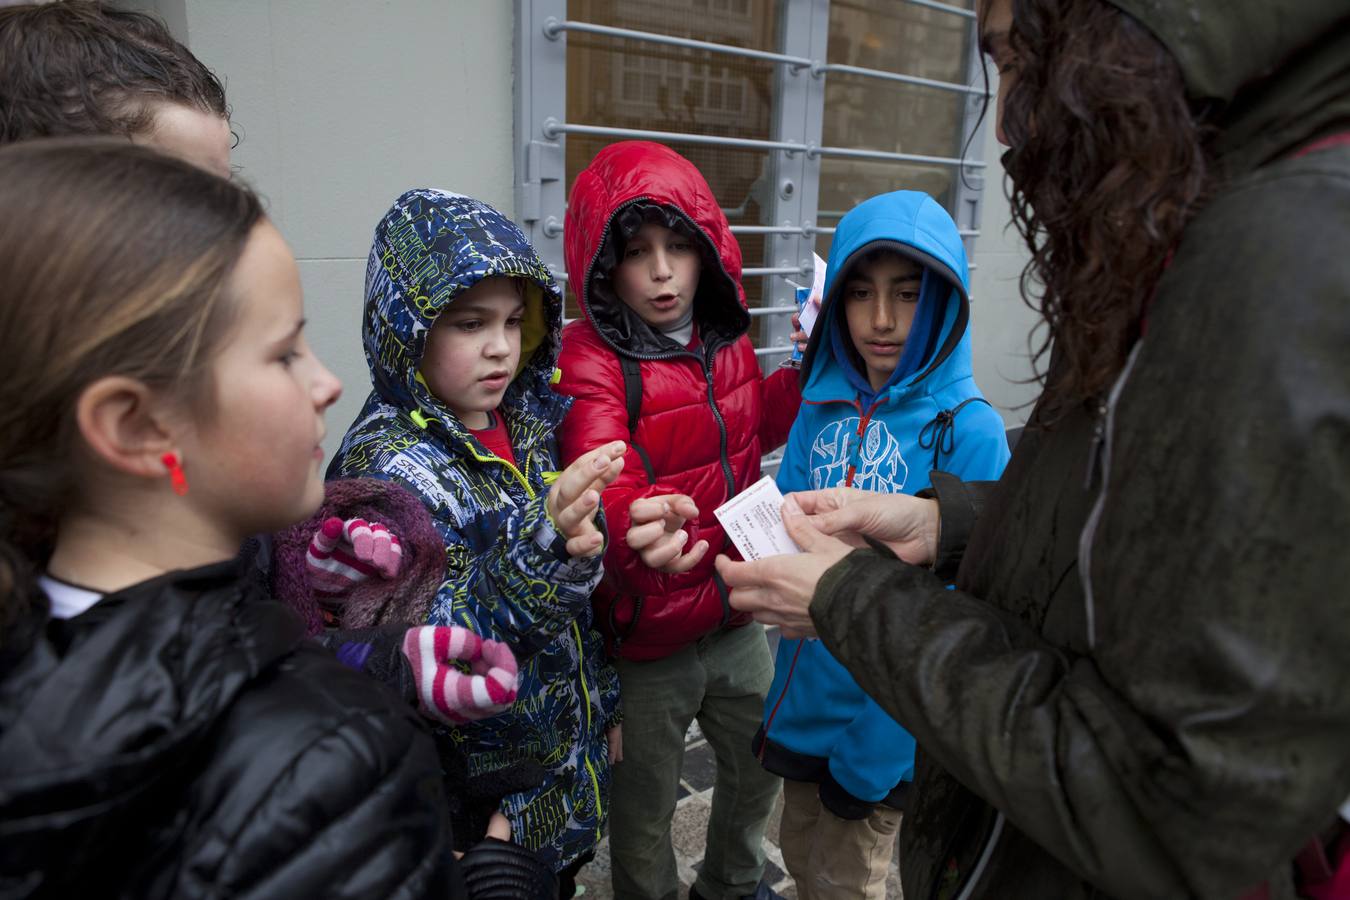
658	275
254	462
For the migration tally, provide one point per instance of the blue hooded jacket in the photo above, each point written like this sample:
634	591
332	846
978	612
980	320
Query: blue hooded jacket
819	726
508	575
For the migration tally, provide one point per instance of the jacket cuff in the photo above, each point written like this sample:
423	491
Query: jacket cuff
959	504
584	571
839	802
500	870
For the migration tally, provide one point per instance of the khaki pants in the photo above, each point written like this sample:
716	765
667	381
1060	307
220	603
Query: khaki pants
830	857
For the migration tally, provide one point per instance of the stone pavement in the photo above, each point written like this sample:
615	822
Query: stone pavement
691	821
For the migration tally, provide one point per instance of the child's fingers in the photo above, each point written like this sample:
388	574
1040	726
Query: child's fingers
571	518
665	549
574	480
610	473
684	508
499	827
640	537
587	545
649	509
687	561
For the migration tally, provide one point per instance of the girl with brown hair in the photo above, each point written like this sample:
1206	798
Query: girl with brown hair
1137	687
164	728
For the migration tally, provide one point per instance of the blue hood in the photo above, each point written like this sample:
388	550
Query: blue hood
428	249
937	351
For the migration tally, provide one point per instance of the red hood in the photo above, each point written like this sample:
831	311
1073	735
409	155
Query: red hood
636	170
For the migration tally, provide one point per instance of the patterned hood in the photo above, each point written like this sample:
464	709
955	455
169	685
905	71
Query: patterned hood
429	248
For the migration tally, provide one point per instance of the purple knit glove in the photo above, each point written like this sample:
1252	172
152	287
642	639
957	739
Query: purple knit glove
449	695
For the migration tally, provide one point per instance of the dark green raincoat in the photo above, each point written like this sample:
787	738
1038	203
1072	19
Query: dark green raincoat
1141	686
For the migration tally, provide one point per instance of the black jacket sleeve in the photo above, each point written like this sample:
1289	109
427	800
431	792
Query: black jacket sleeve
959	506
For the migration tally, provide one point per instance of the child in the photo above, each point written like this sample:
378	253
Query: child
164	728
79	67
662	360
83	67
462	324
888	396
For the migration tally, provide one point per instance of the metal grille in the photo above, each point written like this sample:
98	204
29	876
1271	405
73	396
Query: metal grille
795	111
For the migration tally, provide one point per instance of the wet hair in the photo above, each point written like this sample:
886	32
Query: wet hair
83	67
1108	164
114	261
872	257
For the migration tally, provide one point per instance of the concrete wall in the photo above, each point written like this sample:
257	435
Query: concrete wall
340	105
1000	321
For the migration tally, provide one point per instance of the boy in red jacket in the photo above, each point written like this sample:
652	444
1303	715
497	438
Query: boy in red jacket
661	360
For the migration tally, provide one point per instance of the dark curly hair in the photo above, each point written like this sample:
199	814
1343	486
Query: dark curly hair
82	67
1108	164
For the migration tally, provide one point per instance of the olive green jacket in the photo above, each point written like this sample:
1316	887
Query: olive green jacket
1141	686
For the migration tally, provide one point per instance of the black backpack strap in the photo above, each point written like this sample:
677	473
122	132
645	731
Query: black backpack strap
632	394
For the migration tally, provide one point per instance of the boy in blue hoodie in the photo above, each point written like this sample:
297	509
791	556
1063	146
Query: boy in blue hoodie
888	396
462	330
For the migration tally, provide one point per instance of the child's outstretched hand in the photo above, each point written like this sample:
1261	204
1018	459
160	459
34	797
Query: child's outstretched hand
575	497
342	554
444	692
656	532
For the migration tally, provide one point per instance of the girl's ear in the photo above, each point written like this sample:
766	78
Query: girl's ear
124	425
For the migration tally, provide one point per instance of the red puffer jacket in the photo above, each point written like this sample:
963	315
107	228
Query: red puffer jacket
707	413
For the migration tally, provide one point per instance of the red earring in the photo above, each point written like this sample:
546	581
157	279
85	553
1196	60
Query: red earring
176	476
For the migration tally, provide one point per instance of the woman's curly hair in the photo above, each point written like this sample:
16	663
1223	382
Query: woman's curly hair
1108	164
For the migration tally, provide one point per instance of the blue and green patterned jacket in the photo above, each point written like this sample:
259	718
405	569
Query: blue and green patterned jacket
507	574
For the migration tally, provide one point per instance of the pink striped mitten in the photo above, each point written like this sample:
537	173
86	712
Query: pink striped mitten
449	695
342	554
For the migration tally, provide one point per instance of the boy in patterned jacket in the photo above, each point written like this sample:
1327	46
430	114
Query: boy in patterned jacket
461	330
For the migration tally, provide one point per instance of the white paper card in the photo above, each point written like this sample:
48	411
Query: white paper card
753	519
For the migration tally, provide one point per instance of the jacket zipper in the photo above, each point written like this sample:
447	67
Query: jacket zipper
1105	425
848	482
586	696
1100	456
721	422
864	419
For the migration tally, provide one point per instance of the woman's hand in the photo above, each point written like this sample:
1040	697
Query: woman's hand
657	532
907	525
777	590
614	738
574	498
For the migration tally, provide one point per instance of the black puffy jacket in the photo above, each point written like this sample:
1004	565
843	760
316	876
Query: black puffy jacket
181	739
